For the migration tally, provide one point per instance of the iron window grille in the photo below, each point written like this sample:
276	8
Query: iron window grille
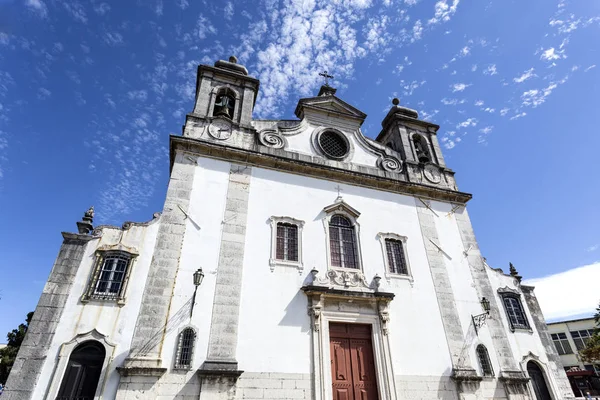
484	361
287	242
561	343
110	276
333	144
515	312
185	349
342	241
395	256
581	338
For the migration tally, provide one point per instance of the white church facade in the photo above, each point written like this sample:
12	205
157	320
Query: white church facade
293	259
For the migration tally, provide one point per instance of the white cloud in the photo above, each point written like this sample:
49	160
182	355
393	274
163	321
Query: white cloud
140	95
443	11
504	111
570	293
38	7
465	51
452	102
43	93
535	97
590	67
76	10
517	116
487	130
479	103
459	87
228	10
469	122
592	248
490	70
525	75
158	10
113	38
417	31
101	8
551	54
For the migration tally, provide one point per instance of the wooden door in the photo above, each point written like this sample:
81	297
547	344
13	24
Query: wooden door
352	363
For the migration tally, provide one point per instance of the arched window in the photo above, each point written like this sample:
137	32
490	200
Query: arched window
484	361
342	242
185	349
421	149
83	372
224	103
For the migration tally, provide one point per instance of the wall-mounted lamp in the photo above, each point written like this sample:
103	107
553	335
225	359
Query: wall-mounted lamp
479	320
198	277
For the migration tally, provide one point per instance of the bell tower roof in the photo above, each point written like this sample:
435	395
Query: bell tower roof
231	65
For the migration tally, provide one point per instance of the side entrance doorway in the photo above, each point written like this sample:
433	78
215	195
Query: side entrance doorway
352	362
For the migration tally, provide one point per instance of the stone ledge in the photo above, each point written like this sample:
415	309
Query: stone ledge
513	377
228	369
309	289
465	375
141	371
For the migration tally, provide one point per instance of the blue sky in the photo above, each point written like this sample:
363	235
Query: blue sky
90	91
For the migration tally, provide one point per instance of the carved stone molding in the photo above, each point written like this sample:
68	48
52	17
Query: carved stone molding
341	278
506	289
432	173
314	310
271	138
391	164
384	315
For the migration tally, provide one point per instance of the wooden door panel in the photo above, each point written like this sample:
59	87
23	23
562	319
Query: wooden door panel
352	362
341	369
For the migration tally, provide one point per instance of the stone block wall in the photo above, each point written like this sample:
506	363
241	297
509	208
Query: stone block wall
271	385
171	386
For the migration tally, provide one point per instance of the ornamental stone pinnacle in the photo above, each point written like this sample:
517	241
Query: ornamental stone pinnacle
514	272
85	225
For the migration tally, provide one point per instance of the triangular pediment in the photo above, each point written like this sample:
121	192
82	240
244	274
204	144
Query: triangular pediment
341	205
329	105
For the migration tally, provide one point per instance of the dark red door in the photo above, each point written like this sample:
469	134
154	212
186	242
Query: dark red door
352	363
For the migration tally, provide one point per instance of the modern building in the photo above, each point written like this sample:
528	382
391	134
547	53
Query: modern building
293	259
569	338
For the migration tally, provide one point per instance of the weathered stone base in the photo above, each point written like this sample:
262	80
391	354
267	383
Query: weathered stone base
447	388
271	385
171	386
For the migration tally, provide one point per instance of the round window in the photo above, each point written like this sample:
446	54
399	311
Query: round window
333	144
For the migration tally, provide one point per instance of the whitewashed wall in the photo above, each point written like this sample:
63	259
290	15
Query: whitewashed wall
116	322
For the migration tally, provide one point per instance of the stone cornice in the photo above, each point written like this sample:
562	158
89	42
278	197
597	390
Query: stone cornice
301	164
76	237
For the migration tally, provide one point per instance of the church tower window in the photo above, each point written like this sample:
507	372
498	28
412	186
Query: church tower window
185	349
342	242
421	149
224	103
484	361
333	144
514	310
286	242
110	276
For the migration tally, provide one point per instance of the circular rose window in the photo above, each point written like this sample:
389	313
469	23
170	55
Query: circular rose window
333	144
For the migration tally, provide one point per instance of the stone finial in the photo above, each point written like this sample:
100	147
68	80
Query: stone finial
395	101
85	225
514	273
233	59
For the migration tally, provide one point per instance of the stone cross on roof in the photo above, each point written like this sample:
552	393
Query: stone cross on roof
325	75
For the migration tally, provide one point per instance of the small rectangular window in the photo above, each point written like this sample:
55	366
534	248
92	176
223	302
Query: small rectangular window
287	242
515	312
395	256
561	343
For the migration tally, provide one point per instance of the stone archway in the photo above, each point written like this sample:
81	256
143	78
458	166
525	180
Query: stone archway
538	381
83	371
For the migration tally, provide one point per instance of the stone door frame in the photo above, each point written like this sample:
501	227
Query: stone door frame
348	311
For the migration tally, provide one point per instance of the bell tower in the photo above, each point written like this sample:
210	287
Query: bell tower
225	91
417	144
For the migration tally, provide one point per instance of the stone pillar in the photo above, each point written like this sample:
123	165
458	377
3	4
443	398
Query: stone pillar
33	353
555	366
144	358
464	375
220	370
514	379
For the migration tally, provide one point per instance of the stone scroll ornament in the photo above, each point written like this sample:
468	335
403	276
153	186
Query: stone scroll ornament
391	164
271	139
346	279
